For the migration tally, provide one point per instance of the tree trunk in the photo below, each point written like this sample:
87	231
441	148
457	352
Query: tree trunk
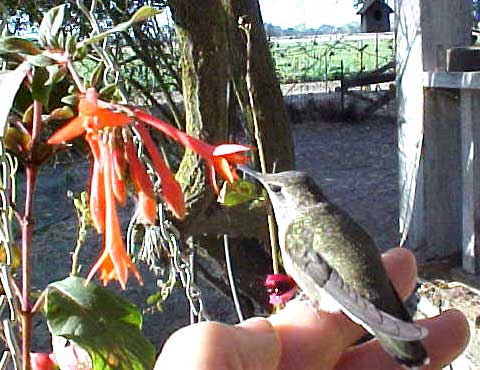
213	53
268	105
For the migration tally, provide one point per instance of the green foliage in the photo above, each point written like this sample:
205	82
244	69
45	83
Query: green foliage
10	82
107	326
309	60
40	90
239	192
12	44
49	30
140	15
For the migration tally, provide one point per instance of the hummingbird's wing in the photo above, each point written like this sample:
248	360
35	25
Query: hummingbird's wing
355	306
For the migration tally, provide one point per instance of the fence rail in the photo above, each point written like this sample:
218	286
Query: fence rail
320	58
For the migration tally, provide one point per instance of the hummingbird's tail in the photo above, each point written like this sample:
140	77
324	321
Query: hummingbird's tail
393	327
411	355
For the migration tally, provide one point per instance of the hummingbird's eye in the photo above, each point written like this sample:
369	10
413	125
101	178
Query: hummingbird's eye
275	188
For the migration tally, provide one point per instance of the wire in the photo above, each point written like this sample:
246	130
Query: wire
231	280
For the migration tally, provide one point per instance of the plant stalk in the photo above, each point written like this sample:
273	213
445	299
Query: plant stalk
272	230
27	229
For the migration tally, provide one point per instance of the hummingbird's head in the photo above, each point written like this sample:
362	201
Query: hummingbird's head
289	191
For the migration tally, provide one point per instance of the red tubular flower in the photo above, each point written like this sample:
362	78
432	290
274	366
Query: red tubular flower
90	116
114	262
220	159
118	167
107	183
142	184
101	128
281	288
97	196
171	190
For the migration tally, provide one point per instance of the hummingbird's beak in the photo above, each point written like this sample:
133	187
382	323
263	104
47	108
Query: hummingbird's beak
255	174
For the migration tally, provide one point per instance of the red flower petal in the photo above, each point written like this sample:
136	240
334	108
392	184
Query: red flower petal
42	361
97	198
171	189
114	263
138	173
223	168
90	116
281	288
118	182
102	118
226	149
147	207
221	156
71	130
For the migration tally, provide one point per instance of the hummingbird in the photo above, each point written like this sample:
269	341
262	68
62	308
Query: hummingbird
329	255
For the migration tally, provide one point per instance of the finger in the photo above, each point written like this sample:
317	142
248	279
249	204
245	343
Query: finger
310	338
401	267
447	339
212	345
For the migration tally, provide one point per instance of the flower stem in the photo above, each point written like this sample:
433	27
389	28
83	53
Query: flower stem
37	121
27	228
76	77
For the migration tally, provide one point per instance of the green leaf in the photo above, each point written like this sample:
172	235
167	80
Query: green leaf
97	74
51	23
104	324
140	15
55	75
70	44
40	91
80	53
143	14
40	60
61	114
10	82
12	44
239	192
107	92
71	100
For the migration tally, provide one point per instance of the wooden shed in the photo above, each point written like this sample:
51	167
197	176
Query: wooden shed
375	16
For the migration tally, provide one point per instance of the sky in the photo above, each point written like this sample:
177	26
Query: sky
314	13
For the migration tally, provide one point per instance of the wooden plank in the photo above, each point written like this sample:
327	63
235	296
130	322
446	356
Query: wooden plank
368	80
470	108
451	80
426	126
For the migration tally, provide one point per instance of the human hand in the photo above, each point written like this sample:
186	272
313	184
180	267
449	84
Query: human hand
299	338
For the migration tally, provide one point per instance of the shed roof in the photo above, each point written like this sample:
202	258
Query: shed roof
368	3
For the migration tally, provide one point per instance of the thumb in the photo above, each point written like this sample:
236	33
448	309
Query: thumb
253	344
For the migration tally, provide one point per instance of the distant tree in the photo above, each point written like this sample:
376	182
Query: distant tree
352	27
326	29
273	31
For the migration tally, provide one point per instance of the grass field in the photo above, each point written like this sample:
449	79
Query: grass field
318	59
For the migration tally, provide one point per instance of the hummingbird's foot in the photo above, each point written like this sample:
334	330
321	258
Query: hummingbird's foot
302	297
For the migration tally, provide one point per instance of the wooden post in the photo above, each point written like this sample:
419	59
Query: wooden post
429	140
470	100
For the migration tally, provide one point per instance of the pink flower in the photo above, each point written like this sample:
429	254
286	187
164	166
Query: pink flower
281	288
69	355
43	361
